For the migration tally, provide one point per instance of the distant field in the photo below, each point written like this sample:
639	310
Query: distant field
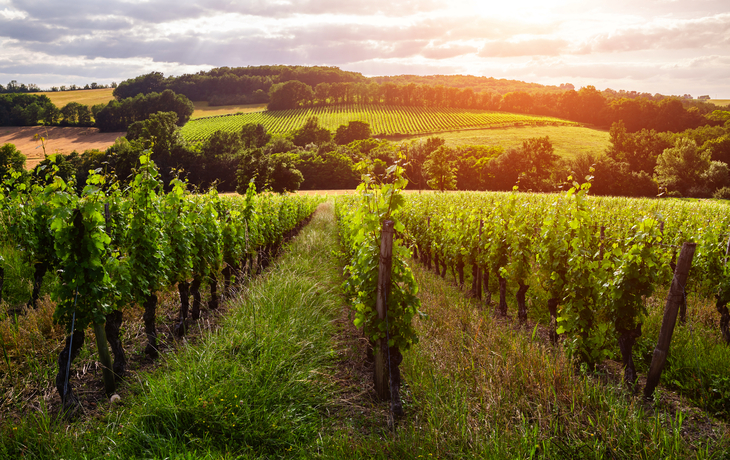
721	102
97	96
202	109
57	140
83	96
383	120
567	140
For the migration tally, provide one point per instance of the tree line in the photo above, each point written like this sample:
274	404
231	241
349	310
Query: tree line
587	105
20	109
233	85
14	87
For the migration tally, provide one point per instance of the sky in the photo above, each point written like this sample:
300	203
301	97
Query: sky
672	47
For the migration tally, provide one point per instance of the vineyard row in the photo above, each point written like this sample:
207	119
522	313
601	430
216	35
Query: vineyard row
383	120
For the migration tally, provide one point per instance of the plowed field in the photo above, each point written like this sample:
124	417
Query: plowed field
57	140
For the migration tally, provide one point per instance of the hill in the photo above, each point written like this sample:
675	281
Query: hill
568	141
383	120
477	84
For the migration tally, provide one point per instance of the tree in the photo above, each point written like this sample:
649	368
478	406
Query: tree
221	144
283	175
254	135
311	133
10	160
76	114
440	169
353	131
276	172
118	115
290	95
161	134
150	83
326	170
539	159
252	168
680	168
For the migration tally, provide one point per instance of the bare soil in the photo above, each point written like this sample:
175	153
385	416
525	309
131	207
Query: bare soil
56	139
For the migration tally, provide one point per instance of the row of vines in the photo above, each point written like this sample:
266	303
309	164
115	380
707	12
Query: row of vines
386	323
593	261
383	120
111	248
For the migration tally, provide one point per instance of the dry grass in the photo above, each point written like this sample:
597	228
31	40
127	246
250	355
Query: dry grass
720	102
493	376
84	96
32	344
203	109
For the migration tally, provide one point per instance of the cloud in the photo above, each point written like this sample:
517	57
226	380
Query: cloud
446	52
707	32
532	47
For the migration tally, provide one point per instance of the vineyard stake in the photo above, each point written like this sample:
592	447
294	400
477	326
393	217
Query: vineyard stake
382	387
675	298
478	293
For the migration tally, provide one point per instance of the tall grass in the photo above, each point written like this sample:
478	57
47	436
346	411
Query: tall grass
482	388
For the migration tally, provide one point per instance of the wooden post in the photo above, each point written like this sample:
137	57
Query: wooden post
479	269
382	387
675	299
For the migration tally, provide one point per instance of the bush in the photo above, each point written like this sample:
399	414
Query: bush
722	193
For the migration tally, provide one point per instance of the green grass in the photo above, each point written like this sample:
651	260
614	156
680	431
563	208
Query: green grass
383	120
720	102
568	141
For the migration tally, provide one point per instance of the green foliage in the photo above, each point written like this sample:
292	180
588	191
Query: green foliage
290	95
353	131
119	115
311	133
10	160
681	167
361	222
254	135
18	109
440	169
146	242
283	174
276	172
85	257
76	114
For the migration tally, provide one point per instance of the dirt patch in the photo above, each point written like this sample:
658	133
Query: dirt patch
57	140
